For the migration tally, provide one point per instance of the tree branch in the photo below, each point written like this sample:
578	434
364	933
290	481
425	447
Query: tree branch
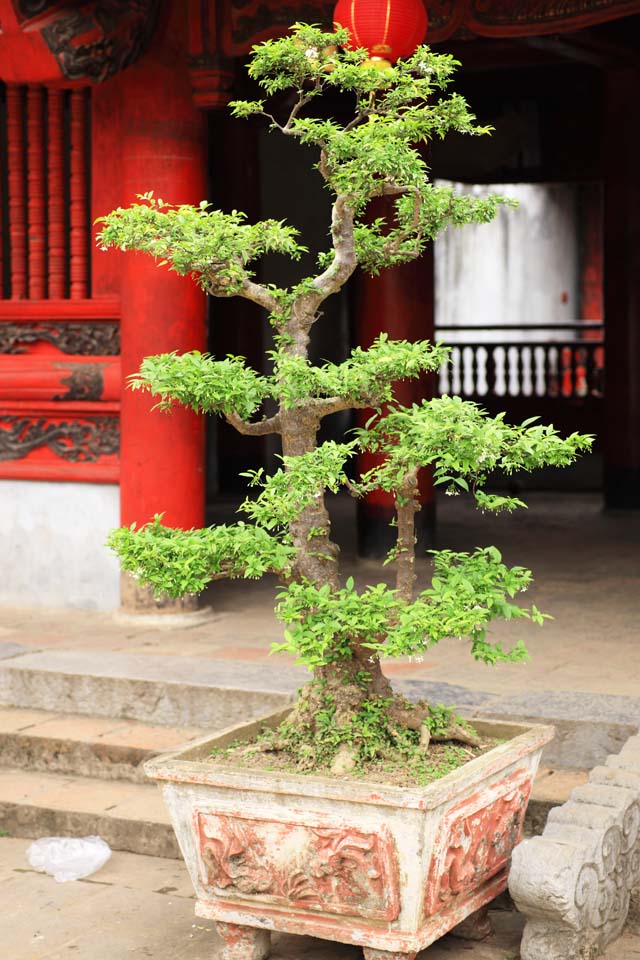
258	429
407	506
388	188
302	101
392	246
345	261
259	294
323	406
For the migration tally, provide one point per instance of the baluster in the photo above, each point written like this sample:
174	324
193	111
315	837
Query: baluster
582	355
510	361
35	193
551	370
572	370
482	387
17	205
55	134
467	371
78	193
491	370
537	360
475	389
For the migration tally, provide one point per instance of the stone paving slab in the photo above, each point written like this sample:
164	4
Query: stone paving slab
142	908
9	649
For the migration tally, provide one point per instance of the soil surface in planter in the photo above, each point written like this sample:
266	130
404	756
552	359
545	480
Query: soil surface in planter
412	767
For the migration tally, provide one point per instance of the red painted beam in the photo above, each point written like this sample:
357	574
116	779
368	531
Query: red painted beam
39	311
43	378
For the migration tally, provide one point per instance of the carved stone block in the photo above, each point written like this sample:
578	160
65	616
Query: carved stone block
243	943
371	954
475	840
574	883
340	870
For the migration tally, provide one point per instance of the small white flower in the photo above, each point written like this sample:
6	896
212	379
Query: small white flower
311	53
123	246
104	249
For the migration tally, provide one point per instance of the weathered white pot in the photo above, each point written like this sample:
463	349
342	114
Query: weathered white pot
388	868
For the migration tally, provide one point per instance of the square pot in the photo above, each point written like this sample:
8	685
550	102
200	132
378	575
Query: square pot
388	868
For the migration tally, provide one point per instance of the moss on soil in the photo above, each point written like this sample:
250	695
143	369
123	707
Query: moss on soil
407	766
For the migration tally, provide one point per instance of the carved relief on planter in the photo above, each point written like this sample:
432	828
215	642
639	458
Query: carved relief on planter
475	841
340	870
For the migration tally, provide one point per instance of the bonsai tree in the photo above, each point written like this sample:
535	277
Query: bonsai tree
348	713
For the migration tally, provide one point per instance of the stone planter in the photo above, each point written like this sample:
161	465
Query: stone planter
388	868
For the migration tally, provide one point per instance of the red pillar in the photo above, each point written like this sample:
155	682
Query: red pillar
400	302
591	264
162	149
622	287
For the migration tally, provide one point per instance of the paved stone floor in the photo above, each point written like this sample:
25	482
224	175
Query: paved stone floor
587	569
142	907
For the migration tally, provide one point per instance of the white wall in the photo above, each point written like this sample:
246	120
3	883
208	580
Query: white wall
520	269
52	551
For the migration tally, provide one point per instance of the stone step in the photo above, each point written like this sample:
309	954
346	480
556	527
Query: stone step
168	690
73	744
129	816
212	694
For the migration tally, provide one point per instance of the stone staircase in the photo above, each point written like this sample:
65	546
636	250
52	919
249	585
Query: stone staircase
75	728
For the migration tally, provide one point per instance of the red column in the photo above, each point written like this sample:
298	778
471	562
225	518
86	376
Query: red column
622	287
400	302
162	149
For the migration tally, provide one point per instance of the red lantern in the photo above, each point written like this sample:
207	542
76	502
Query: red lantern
389	29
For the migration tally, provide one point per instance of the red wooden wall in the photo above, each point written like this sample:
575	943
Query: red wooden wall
59	346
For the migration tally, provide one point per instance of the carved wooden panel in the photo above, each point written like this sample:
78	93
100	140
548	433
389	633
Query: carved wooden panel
39	441
503	18
60	386
90	339
342	870
78	440
246	22
475	840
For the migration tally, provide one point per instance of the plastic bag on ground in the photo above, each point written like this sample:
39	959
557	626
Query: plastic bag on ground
68	858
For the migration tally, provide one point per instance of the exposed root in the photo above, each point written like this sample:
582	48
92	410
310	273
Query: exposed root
345	759
458	732
341	724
